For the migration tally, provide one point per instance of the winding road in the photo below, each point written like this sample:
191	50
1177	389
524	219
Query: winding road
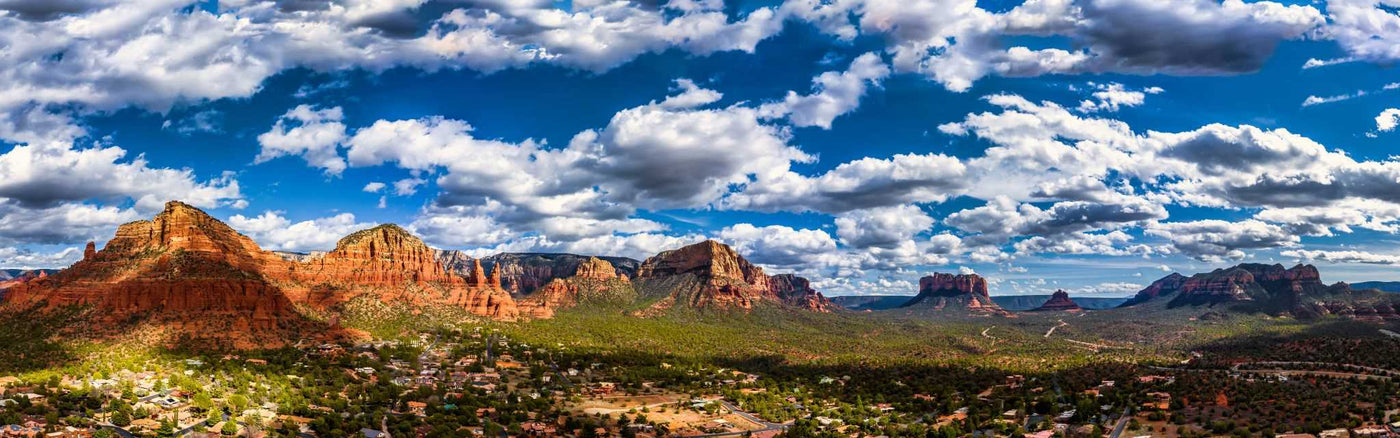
767	426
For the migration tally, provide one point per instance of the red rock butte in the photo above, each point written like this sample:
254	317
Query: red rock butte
725	280
1059	301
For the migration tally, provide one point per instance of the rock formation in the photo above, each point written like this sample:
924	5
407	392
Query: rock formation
1162	287
524	273
797	291
183	269
594	281
390	264
1273	289
710	274
1059	301
962	292
190	270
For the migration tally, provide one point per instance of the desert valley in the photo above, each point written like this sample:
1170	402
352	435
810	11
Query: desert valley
180	325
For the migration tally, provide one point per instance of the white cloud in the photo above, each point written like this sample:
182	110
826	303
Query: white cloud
834	94
408	186
1319	100
61	223
45	174
1217	240
1388	120
314	134
1112	97
778	245
373	187
1347	256
885	227
275	232
15	258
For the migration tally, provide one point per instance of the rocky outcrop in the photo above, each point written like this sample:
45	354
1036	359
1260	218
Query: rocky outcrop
523	274
712	275
187	269
390	264
14	277
594	281
948	292
183	269
797	291
1164	286
1059	302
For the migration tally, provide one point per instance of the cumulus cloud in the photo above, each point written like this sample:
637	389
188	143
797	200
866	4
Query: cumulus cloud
15	258
60	223
1216	240
886	227
1388	119
41	175
778	245
314	134
1346	256
1112	97
273	231
834	94
955	42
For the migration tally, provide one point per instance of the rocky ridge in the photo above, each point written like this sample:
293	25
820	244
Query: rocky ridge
1274	289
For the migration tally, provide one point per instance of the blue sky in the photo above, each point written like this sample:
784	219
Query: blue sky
1089	145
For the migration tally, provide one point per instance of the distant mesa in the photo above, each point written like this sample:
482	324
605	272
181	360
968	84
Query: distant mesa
1272	289
949	292
1059	302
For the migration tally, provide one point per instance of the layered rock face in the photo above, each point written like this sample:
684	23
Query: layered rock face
797	291
13	277
1271	288
188	266
525	273
710	274
595	280
1059	302
1162	287
390	264
954	292
182	267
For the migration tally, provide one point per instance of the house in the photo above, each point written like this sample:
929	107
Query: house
1334	433
1065	416
1294	435
418	408
15	430
1371	431
371	433
1042	434
70	432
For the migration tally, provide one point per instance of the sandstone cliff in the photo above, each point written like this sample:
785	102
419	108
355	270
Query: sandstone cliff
712	275
182	269
594	281
523	274
390	264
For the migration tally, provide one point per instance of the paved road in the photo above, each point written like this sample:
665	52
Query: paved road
1121	426
767	426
